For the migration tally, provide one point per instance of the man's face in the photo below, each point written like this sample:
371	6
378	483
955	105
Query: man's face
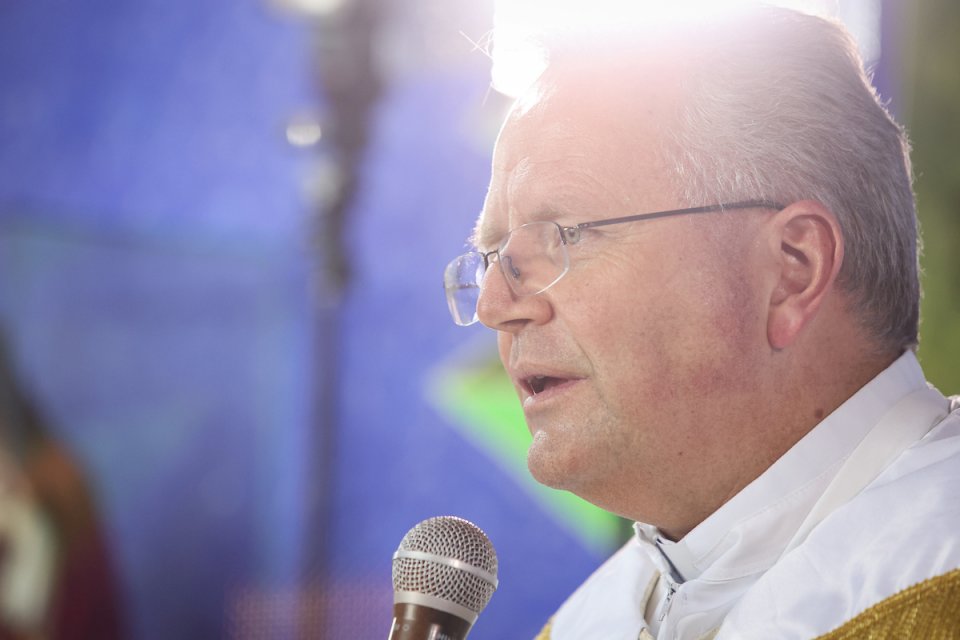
644	344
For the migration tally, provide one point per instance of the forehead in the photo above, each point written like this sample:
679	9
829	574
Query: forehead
579	146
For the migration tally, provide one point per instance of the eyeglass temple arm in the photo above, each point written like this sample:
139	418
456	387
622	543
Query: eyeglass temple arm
748	204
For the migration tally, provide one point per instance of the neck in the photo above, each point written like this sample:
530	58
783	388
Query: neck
797	389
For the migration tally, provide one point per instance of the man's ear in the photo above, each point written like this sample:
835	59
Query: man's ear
808	249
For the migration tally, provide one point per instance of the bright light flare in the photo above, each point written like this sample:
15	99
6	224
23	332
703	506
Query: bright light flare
318	8
304	131
518	60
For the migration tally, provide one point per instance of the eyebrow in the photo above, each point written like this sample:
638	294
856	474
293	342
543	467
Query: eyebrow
476	238
482	239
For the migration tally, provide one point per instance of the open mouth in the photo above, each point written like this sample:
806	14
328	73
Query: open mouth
539	384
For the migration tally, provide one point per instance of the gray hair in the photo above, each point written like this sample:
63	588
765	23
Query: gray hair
777	106
780	109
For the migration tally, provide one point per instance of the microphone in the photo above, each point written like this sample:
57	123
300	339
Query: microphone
444	573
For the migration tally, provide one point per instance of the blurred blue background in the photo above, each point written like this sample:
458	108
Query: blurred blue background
234	326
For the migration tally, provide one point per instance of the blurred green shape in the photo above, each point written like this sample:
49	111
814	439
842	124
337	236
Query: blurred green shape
479	399
931	87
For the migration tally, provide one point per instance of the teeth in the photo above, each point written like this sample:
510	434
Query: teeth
537	383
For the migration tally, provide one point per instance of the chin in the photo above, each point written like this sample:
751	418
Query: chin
550	467
546	476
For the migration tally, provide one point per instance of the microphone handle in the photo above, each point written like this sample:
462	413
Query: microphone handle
418	622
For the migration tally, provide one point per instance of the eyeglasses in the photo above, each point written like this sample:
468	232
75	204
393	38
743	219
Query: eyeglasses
533	257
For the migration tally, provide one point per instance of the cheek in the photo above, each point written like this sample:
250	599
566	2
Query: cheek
504	341
626	333
666	338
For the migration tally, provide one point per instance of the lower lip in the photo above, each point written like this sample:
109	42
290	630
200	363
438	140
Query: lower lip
547	395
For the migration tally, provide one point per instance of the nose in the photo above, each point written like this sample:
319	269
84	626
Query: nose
499	308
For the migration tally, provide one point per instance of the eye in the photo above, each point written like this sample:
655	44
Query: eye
507	262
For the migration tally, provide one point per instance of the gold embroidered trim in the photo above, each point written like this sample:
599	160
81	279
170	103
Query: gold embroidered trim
545	632
929	610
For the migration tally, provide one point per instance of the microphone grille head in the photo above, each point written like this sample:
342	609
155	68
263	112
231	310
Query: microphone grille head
447	558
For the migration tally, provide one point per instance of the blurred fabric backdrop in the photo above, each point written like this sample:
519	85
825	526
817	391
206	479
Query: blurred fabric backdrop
222	229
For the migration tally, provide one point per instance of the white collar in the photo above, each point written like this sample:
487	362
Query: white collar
748	533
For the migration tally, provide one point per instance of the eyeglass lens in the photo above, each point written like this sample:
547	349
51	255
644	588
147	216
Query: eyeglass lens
532	259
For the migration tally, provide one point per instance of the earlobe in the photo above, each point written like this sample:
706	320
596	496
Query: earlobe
808	253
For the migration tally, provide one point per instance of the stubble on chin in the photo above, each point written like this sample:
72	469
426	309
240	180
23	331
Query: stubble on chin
568	455
550	462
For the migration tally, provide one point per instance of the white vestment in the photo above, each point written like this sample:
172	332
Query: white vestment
864	506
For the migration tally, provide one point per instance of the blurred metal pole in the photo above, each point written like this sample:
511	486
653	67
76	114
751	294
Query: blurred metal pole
350	82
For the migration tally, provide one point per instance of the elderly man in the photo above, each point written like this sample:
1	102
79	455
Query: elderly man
698	250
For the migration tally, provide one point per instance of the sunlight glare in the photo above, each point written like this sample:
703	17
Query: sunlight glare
518	60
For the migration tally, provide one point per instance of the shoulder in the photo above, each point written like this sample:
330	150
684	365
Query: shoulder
902	530
609	604
930	610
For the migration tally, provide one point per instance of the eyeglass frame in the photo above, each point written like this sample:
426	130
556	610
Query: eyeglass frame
571	235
